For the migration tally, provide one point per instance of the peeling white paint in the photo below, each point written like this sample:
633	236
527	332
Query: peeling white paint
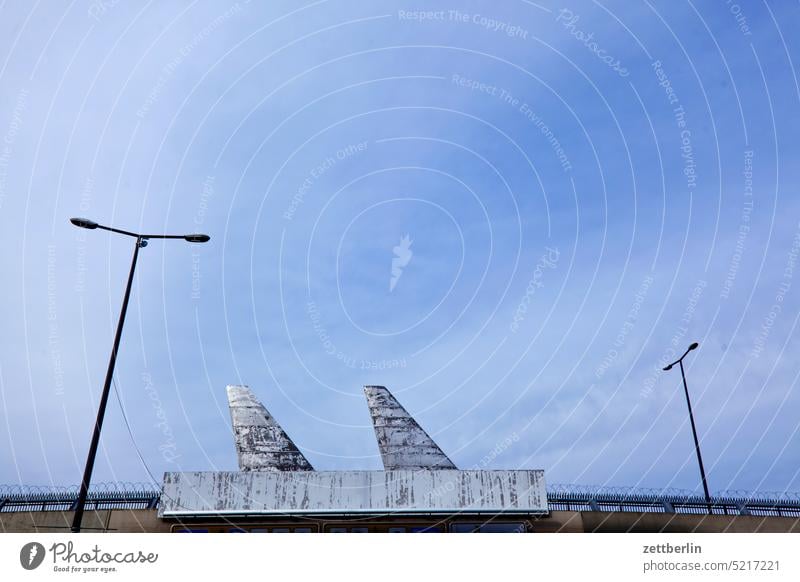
261	443
403	443
347	492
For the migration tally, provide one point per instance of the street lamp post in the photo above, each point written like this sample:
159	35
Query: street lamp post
691	419
141	241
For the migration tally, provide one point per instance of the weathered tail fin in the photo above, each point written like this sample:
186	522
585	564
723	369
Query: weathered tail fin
261	443
402	442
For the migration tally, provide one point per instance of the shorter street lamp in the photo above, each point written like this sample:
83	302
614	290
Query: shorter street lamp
141	241
691	419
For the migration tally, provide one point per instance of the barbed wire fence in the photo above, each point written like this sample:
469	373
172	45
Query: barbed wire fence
560	497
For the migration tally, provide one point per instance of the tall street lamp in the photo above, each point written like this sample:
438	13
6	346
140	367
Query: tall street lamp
691	418
141	241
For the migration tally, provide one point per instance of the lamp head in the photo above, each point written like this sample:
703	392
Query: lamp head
197	238
693	346
668	368
83	223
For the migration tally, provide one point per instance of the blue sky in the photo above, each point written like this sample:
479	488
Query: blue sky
583	188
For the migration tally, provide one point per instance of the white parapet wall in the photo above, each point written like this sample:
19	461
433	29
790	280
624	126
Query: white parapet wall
349	492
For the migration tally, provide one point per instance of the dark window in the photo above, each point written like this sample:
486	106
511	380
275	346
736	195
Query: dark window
490	527
503	528
464	527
